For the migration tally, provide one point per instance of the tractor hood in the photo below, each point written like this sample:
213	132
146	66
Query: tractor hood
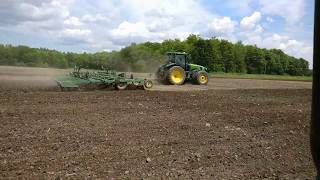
196	67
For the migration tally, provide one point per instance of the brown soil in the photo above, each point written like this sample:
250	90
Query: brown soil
213	134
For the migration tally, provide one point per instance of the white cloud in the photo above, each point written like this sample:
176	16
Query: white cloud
18	11
297	49
259	29
36	16
137	32
158	20
76	32
291	10
250	22
252	31
274	41
290	46
73	21
160	26
95	18
74	36
254	36
270	20
126	29
222	26
44	11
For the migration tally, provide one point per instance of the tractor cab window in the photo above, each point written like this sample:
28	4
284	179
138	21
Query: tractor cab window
180	59
171	58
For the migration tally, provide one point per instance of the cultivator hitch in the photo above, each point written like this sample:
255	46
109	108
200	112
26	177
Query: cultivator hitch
93	80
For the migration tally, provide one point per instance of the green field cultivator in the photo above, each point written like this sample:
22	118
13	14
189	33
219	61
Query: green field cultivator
104	79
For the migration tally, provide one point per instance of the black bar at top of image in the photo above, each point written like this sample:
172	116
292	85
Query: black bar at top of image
315	122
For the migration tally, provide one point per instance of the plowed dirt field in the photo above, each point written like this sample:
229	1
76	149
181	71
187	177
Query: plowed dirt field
222	133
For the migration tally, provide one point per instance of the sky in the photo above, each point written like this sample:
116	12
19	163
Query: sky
100	25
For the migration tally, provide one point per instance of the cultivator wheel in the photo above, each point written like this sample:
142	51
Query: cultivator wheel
136	83
147	84
121	86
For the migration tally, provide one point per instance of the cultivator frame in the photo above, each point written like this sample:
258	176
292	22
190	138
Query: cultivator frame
103	79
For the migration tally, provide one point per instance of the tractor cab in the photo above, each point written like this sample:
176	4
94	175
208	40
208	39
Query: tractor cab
180	59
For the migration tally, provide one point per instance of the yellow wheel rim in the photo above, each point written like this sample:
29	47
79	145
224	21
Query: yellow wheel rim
203	79
177	76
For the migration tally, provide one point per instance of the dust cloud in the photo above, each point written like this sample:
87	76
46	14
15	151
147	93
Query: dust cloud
25	78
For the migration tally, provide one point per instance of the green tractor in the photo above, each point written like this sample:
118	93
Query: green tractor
177	70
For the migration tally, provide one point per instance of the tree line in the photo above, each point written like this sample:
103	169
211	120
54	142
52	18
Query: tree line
217	55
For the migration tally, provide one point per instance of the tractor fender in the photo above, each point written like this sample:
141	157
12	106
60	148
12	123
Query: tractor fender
162	71
168	66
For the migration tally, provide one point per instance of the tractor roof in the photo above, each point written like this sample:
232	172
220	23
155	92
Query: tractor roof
180	53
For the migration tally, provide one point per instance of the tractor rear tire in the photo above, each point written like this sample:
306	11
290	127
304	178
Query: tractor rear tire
176	75
201	78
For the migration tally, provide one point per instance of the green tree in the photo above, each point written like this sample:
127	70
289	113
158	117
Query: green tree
202	52
217	63
255	60
226	49
239	55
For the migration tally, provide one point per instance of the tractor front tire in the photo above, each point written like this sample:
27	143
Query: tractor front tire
201	78
176	75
